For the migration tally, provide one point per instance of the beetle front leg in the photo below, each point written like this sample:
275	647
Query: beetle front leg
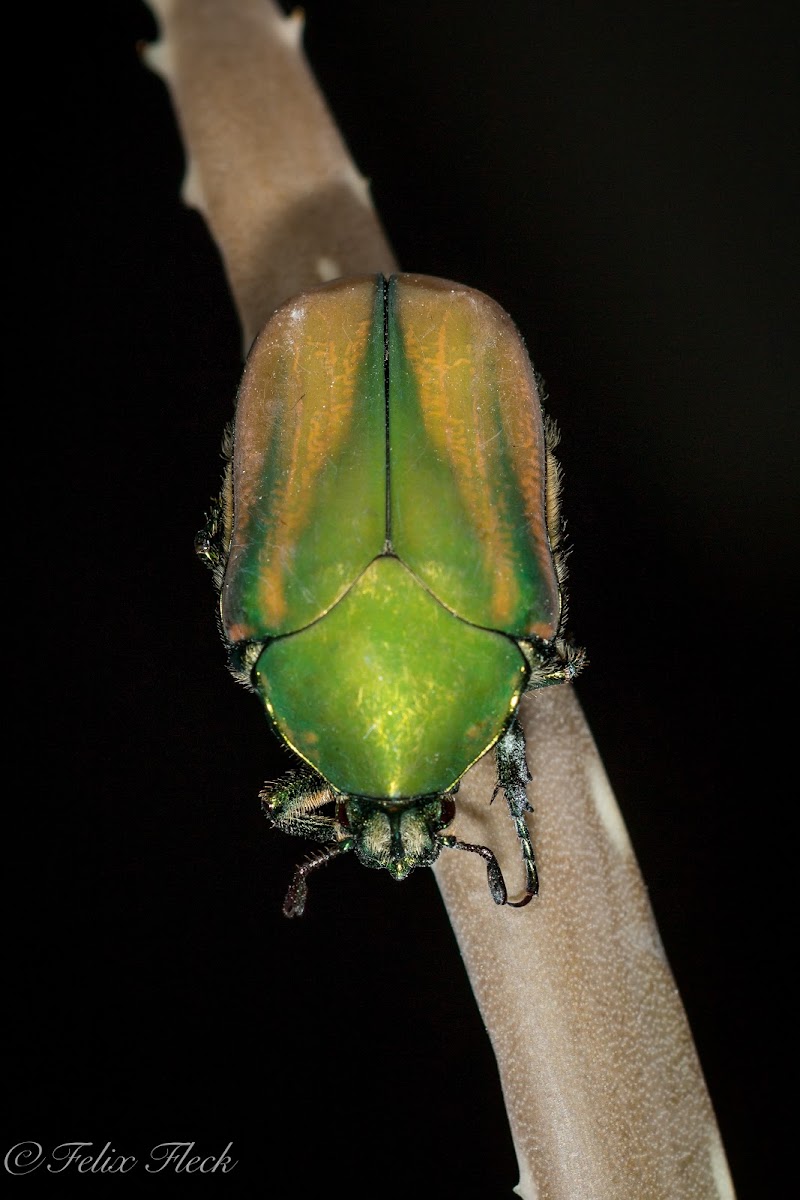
295	902
292	803
513	776
497	885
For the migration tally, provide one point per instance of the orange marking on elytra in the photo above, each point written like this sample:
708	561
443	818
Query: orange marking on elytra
320	395
526	446
450	362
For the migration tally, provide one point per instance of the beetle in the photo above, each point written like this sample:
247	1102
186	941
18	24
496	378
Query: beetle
387	551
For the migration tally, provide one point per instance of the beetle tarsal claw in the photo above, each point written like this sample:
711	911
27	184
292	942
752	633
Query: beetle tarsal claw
531	874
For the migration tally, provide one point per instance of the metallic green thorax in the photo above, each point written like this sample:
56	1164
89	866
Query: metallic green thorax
389	541
390	694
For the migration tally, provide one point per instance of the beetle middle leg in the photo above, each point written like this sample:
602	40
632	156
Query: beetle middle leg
553	662
512	777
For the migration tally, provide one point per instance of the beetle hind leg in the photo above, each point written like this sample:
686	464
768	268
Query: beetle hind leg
512	777
212	543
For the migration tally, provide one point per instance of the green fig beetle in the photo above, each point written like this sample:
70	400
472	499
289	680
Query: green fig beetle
386	549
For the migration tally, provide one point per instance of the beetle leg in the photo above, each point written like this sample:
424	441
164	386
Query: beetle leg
558	661
512	777
291	805
295	902
212	542
497	884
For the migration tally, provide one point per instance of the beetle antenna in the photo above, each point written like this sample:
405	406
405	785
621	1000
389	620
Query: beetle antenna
295	902
497	884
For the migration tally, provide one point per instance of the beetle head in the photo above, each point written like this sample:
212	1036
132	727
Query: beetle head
397	835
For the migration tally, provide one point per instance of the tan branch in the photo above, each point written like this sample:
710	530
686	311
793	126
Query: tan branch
267	166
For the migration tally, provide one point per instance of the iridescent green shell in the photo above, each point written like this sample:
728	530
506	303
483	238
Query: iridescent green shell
468	457
309	462
389	535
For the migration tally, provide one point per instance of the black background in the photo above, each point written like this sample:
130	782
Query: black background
619	177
